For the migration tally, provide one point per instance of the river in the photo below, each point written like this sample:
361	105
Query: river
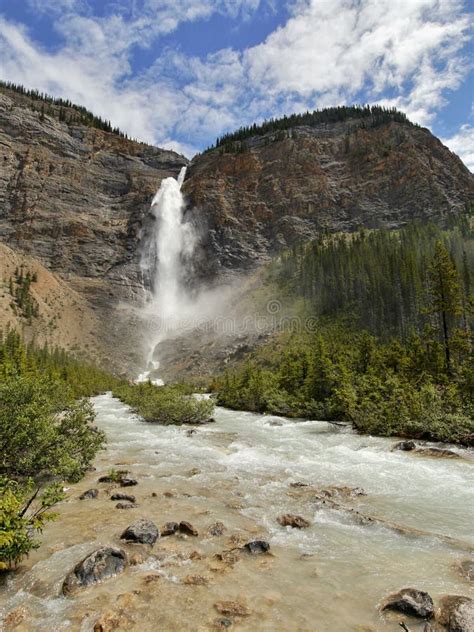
242	471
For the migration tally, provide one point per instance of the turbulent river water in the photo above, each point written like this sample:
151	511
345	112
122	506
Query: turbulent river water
329	577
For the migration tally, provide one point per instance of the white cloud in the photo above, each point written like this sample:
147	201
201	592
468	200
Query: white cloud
329	52
462	144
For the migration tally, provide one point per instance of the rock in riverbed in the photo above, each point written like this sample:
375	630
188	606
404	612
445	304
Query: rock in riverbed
257	546
126	505
410	601
404	446
142	531
232	608
456	613
466	569
90	493
127	497
187	528
170	528
128	482
96	567
216	529
438	452
291	520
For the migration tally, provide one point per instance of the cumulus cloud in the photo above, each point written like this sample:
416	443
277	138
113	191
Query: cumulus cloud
462	143
407	54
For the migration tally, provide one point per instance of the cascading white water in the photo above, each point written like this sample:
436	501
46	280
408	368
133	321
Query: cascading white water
165	251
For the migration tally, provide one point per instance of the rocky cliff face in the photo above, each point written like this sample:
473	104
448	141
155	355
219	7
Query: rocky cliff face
74	198
284	186
74	201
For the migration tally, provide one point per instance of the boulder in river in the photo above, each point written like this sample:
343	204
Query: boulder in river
128	482
90	493
438	452
232	608
291	520
96	567
257	546
456	613
216	529
128	497
142	531
187	528
466	569
170	528
410	601
126	505
404	446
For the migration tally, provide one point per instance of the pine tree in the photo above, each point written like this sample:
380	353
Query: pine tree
445	296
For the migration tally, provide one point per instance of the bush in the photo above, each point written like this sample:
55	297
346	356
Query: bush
165	404
43	431
23	511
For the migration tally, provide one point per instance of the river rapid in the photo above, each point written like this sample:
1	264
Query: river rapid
242	471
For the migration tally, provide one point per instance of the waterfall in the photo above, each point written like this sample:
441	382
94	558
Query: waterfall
166	250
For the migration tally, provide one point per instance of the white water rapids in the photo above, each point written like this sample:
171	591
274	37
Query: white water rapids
327	578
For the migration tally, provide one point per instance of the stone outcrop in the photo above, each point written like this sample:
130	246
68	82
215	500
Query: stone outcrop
338	176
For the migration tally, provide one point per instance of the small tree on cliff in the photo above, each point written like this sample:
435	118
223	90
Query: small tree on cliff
445	296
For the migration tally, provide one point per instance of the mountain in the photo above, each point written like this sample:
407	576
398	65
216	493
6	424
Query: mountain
72	202
75	196
257	195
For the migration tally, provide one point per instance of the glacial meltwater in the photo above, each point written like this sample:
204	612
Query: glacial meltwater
244	471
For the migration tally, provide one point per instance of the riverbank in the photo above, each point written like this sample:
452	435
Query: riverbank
245	471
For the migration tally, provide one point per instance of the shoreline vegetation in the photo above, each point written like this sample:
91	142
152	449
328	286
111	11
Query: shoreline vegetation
391	344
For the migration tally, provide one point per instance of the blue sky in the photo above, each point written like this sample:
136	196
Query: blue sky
178	73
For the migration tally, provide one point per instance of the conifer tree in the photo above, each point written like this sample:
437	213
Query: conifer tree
445	296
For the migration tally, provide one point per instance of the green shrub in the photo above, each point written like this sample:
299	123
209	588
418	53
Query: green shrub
44	431
23	513
165	404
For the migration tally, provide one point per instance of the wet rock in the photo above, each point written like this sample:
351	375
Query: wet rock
154	495
410	601
96	567
152	577
17	616
342	491
232	608
169	494
257	547
115	477
193	472
223	624
456	613
142	531
466	569
217	529
128	497
170	528
90	493
405	446
299	484
128	482
187	528
229	557
195	580
191	432
291	520
438	452
126	505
